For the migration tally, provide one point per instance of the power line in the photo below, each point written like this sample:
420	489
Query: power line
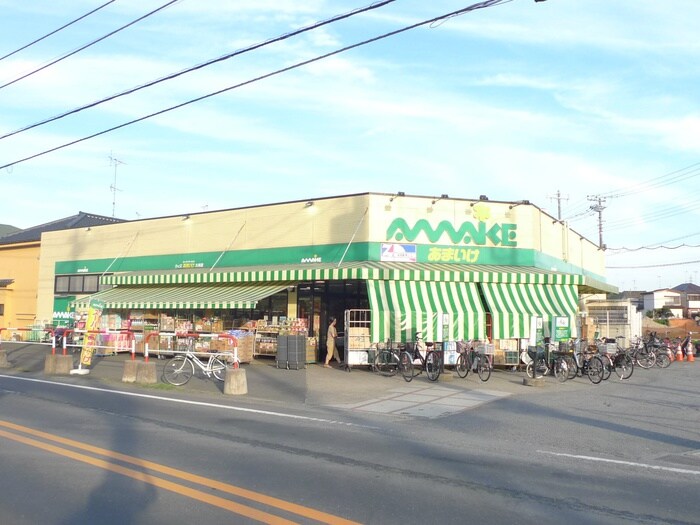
57	30
222	58
81	48
650	266
473	7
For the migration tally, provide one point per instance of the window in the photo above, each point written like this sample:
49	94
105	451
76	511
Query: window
608	314
2	309
78	284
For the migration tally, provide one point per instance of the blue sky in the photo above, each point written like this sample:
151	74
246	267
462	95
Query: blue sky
517	101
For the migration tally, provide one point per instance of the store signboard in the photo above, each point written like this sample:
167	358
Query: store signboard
92	327
63	312
536	331
399	252
561	328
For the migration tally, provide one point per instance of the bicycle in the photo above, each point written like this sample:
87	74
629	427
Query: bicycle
414	351
386	360
589	364
180	369
642	354
470	359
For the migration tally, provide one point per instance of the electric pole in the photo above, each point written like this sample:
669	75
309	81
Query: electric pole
558	197
598	207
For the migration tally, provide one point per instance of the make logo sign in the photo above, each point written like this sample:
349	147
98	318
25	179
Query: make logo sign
468	233
399	252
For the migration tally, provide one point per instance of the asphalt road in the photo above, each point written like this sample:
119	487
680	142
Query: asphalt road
619	452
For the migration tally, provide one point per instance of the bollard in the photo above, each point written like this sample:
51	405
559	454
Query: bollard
4	363
235	382
129	374
62	364
146	373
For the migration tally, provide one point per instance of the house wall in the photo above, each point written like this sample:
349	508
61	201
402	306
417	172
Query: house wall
21	263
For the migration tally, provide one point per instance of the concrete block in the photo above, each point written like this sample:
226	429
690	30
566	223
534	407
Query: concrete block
146	373
4	363
235	382
56	364
537	381
129	374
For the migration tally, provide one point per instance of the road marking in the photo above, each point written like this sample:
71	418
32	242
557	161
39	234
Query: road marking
619	462
184	401
199	495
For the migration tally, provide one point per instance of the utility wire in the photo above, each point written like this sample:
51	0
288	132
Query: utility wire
222	58
81	48
473	7
57	30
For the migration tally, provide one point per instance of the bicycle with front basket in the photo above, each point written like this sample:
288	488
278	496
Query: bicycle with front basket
180	369
387	358
414	351
470	358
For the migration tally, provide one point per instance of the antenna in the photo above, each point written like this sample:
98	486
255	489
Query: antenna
113	187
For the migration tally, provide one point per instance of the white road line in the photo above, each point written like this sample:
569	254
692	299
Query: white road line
182	401
619	462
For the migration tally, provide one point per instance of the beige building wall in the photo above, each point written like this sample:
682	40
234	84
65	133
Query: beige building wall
336	220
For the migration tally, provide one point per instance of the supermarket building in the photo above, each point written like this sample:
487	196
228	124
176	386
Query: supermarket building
395	264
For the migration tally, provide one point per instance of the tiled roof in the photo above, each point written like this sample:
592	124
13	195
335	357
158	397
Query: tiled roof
81	220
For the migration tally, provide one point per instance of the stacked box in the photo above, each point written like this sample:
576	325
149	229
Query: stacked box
358	338
311	346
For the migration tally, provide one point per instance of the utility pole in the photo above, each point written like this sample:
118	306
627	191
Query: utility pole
113	187
558	197
598	207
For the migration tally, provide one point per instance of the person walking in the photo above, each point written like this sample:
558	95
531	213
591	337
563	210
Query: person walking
331	349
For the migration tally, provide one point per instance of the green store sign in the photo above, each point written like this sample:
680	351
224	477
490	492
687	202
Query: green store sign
468	233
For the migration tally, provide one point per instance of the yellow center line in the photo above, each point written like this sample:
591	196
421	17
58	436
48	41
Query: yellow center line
287	506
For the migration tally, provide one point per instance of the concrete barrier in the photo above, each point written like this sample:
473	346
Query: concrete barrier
146	373
56	364
129	374
4	363
235	383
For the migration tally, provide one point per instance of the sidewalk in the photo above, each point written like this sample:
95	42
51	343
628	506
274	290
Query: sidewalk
359	390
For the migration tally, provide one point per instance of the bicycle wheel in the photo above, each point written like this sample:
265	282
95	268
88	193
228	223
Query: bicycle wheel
595	369
483	367
462	366
561	369
218	368
663	360
432	366
607	366
645	358
624	366
406	366
386	363
178	370
537	368
573	367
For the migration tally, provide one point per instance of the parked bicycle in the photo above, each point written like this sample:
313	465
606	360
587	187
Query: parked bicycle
587	363
386	360
642	353
180	369
471	359
413	352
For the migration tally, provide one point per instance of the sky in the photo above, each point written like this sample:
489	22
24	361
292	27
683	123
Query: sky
568	104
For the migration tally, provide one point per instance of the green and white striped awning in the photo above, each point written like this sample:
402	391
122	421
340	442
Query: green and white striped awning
367	270
513	305
402	308
184	297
